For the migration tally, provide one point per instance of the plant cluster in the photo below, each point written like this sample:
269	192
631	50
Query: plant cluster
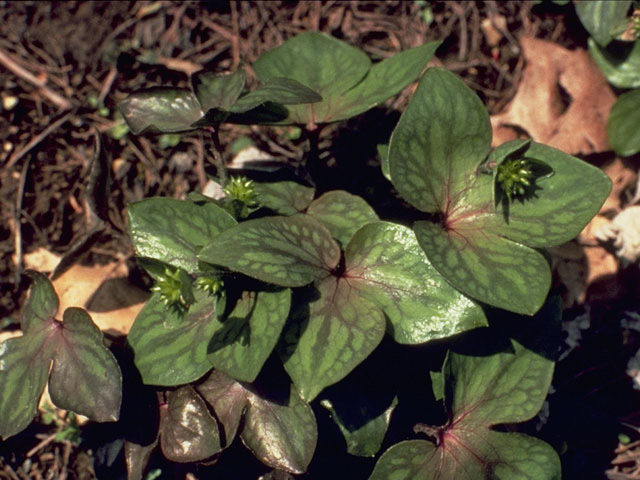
274	273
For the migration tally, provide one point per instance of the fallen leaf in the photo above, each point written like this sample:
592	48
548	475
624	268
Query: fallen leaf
41	260
104	292
540	109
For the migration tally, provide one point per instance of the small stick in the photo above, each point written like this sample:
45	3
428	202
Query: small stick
36	140
10	64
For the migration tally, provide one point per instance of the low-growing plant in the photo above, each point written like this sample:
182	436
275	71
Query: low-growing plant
274	278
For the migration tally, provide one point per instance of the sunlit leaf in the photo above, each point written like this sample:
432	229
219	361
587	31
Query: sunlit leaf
622	129
620	66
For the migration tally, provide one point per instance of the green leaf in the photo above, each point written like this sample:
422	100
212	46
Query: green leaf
330	337
341	74
173	231
383	153
385	264
285	251
42	304
85	377
244	339
188	432
285	91
362	427
228	398
170	347
622	67
161	110
483	391
441	138
217	91
284	198
385	79
325	64
281	436
481	248
24	369
342	213
600	17
622	129
488	267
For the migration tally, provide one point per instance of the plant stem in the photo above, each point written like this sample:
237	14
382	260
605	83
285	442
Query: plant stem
312	160
216	150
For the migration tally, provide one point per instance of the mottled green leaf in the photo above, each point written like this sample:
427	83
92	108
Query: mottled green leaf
284	198
362	427
325	64
329	338
170	347
173	231
481	248
85	377
161	110
486	266
342	213
441	138
341	74
42	304
385	79
385	264
228	398
600	17
244	339
482	391
281	436
286	251
621	67
188	432
217	91
24	368
622	129
285	91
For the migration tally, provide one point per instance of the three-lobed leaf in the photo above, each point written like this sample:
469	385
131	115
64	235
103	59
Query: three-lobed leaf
280	433
481	248
341	74
483	391
84	375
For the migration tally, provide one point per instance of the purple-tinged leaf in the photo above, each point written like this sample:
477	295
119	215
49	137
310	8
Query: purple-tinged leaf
85	377
281	436
228	399
188	432
42	304
137	458
217	91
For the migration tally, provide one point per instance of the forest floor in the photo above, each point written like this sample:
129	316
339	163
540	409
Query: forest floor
64	67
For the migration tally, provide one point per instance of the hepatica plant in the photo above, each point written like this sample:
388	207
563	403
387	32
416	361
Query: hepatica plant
276	296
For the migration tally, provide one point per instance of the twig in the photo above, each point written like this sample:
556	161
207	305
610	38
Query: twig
36	140
10	64
47	440
235	40
108	83
18	225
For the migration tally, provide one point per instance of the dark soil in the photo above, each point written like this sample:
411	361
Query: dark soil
55	56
